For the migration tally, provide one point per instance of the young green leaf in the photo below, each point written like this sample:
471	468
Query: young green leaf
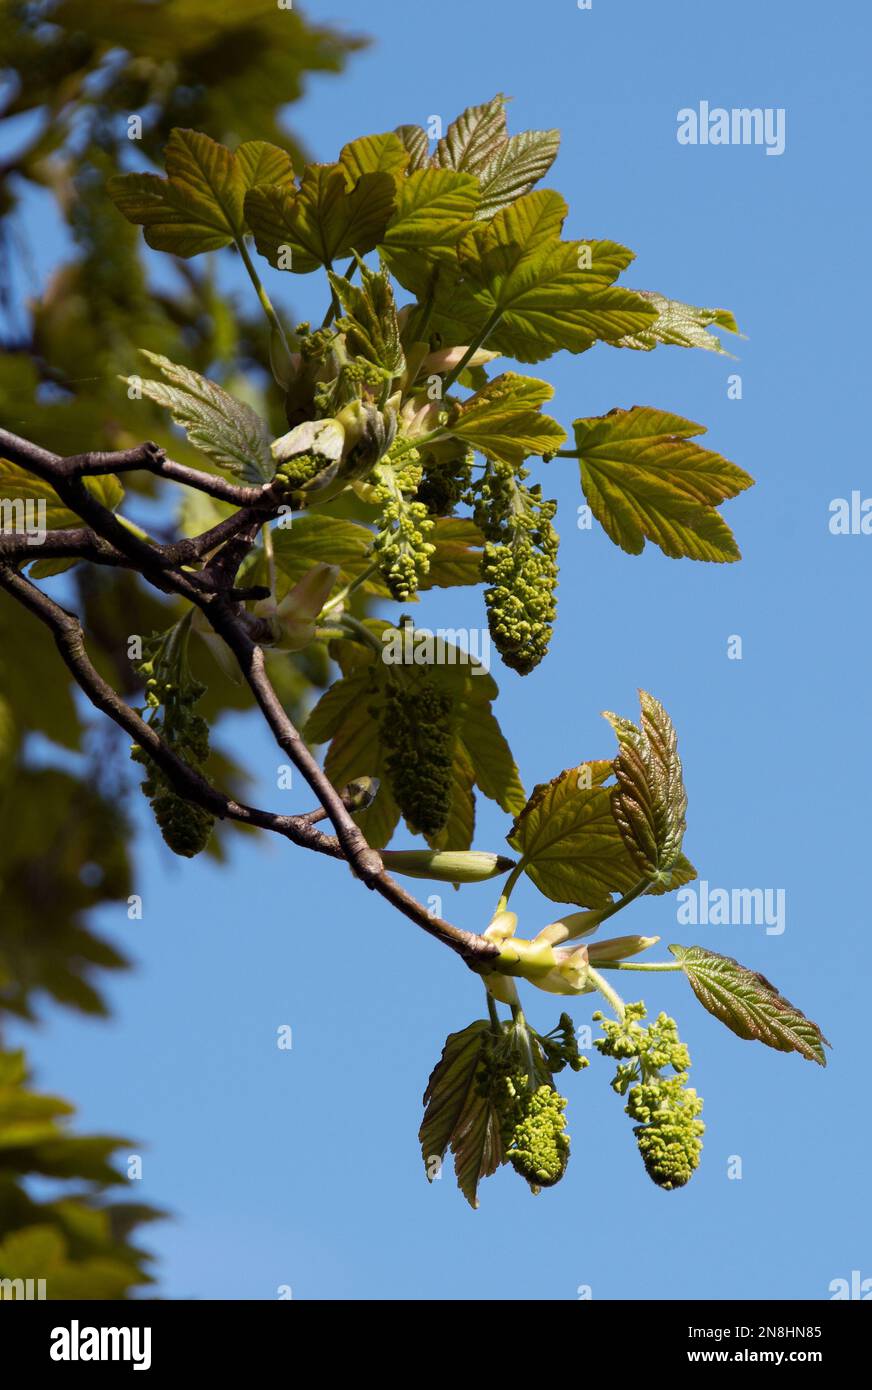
373	154
748	1004
475	138
225	429
513	170
18	485
370	319
198	206
458	1115
415	141
645	479
539	293
434	209
260	162
504	422
680	325
317	539
649	803
323	221
456	558
569	842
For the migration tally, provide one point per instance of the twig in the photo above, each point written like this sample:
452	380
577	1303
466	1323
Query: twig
350	844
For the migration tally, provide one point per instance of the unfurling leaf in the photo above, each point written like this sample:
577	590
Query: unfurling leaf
199	205
221	426
649	802
416	142
748	1004
540	293
458	1114
506	166
571	847
370	319
680	325
513	170
645	479
472	141
503	420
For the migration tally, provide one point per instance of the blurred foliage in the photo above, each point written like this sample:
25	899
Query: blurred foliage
79	1245
71	74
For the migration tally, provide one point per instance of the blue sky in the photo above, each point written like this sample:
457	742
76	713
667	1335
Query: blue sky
301	1167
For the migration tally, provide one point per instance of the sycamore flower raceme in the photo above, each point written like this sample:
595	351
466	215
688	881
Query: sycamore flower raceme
417	730
669	1132
539	1146
171	693
519	565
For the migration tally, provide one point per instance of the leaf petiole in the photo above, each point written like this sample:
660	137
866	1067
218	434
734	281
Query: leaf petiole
509	885
265	301
477	342
629	965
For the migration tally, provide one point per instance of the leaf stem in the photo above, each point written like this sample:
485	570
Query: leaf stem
265	301
343	594
334	298
270	558
356	629
477	342
635	892
628	965
508	886
493	1013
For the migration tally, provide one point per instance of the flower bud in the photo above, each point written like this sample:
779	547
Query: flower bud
322	437
361	793
420	416
569	975
531	960
449	866
619	947
293	620
573	925
447	358
502	927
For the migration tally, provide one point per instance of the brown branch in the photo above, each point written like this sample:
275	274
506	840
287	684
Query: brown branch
69	639
257	504
74	543
365	861
71	490
151	458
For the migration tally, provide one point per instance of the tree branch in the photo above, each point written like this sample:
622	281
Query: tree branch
69	639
